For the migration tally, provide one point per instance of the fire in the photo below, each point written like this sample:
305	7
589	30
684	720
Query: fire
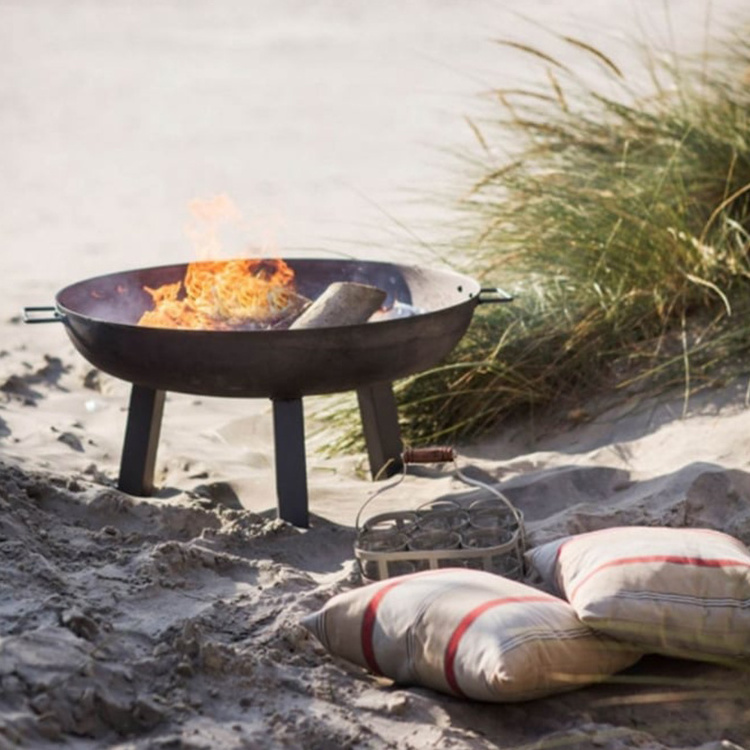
208	218
223	295
226	295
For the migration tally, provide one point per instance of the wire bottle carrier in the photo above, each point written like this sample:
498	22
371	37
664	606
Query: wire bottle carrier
486	534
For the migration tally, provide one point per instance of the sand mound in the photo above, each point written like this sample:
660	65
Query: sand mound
151	623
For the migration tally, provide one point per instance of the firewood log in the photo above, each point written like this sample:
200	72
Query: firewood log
342	303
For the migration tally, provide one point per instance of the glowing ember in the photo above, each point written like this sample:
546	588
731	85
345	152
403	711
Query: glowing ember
227	295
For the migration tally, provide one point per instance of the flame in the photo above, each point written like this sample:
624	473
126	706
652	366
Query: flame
223	294
226	295
208	216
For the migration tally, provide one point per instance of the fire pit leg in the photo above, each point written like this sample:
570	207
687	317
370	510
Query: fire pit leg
291	471
377	408
141	440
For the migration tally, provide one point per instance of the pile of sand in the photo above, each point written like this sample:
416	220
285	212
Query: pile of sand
174	621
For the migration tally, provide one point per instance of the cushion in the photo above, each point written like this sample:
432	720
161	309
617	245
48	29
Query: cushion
467	633
683	592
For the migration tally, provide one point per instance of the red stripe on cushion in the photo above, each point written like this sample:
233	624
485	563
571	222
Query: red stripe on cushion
623	531
449	659
369	618
368	626
674	559
370	615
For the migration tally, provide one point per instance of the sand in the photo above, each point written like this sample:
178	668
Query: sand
173	621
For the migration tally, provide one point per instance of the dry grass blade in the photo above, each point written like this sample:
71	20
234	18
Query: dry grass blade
559	95
477	134
540	96
529	50
597	53
717	212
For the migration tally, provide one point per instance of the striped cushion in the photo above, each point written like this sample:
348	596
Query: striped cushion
682	592
467	633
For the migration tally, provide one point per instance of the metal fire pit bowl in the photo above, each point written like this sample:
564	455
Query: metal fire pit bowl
425	314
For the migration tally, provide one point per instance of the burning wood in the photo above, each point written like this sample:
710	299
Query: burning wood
227	295
342	303
246	295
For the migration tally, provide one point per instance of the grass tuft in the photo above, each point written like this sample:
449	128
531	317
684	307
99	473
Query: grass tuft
620	222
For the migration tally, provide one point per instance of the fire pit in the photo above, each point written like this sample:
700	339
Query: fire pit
424	315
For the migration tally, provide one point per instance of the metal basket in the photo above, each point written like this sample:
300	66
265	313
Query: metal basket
485	535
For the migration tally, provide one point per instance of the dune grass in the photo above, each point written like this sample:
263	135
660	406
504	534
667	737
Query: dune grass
621	224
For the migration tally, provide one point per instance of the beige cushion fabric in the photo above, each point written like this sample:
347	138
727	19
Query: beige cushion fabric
467	633
683	592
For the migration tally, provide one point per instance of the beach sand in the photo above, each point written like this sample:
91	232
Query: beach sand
174	621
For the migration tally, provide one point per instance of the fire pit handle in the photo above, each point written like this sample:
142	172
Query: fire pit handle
497	295
38	314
